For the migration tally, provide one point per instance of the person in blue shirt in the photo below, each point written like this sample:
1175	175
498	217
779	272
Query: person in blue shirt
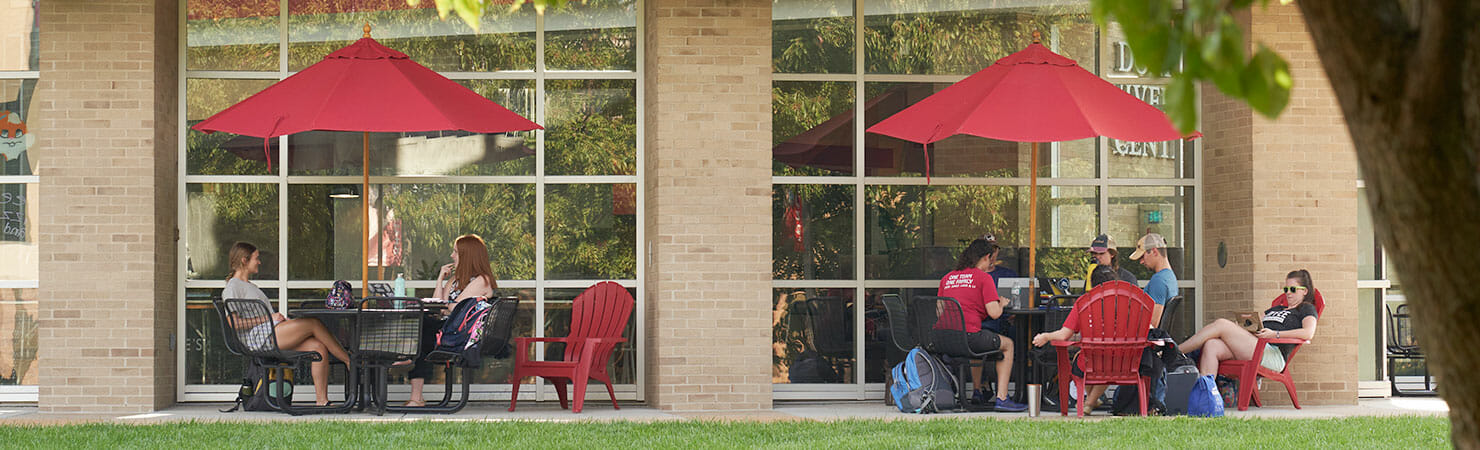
998	271
1151	251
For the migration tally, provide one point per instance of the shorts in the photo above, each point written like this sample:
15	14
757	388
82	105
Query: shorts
1273	358
983	341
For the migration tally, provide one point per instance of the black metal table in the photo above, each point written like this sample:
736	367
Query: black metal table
342	322
1023	320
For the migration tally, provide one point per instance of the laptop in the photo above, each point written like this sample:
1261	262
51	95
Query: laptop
382	290
1015	290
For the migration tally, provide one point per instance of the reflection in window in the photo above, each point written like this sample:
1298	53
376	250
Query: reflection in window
17	130
812	36
222	153
219	215
917	232
591	231
1165	210
1167	159
914	37
20	38
812	128
18	326
503	41
231	35
812	235
591	127
812	336
413	229
592	35
19	252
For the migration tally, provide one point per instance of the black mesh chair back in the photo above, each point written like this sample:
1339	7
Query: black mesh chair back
1401	340
830	331
389	329
498	329
1169	314
946	334
899	322
248	327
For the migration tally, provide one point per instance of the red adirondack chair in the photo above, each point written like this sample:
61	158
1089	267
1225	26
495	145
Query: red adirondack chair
1248	371
598	317
1113	320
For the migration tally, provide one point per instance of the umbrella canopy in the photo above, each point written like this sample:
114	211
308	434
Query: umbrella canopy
364	87
1034	95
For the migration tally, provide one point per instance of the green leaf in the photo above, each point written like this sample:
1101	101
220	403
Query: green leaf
471	12
444	7
1182	103
1267	82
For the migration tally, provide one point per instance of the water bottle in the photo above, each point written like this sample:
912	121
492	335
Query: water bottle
400	289
1035	396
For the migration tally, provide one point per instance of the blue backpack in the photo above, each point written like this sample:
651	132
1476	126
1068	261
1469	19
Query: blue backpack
1205	401
922	384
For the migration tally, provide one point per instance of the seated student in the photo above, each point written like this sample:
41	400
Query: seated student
976	291
1224	339
998	271
1102	253
1100	275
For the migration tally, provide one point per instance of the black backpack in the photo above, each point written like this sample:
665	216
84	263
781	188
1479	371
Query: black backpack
256	393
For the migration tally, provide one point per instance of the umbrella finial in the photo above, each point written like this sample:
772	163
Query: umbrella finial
1037	35
367	29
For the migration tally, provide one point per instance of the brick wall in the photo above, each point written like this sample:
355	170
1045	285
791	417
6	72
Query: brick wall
1282	194
107	196
708	163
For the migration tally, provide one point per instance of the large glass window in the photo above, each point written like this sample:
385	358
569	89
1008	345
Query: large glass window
558	208
20	198
853	213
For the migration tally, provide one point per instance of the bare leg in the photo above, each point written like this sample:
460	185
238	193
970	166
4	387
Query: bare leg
318	369
1004	367
1213	350
1223	329
295	331
416	397
1092	397
976	378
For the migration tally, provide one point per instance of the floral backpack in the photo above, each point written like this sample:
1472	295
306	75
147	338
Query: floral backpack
339	296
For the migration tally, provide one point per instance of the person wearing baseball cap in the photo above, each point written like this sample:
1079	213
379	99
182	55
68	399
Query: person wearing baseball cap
1151	251
1102	253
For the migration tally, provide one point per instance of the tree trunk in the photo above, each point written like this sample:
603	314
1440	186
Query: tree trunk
1408	81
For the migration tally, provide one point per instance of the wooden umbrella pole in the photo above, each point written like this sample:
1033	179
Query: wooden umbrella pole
1033	228
365	215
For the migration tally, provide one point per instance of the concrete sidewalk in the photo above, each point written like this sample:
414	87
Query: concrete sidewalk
784	411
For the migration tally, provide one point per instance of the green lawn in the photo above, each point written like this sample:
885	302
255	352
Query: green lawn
1155	433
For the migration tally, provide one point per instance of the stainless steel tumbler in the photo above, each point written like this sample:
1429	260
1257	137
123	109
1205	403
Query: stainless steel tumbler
1035	398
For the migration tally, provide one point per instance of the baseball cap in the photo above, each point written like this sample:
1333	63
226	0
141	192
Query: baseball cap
1101	244
1147	242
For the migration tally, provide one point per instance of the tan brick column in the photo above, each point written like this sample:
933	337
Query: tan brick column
107	229
708	185
1282	195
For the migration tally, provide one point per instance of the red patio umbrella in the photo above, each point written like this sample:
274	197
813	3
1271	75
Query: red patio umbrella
1034	95
364	87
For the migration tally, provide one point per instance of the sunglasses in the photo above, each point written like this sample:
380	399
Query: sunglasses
1292	289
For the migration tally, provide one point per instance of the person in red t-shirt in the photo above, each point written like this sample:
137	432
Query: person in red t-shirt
976	291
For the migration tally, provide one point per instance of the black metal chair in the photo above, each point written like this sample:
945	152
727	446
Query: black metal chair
832	336
247	327
498	331
1169	315
939	325
390	331
1402	344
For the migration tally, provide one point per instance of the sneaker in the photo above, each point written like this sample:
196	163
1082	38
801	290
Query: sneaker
978	397
1007	405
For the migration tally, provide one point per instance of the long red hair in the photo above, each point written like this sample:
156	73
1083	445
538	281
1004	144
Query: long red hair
472	261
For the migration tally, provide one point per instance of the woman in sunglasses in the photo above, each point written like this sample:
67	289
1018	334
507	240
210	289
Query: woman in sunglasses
1224	339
